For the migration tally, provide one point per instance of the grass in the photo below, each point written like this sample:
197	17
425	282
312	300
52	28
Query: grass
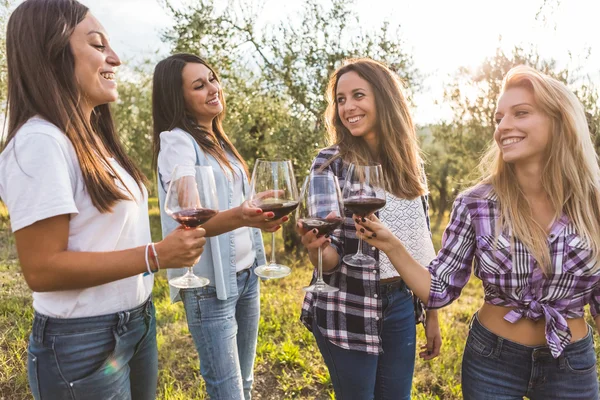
288	363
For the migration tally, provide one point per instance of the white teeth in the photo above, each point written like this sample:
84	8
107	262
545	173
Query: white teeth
355	119
508	141
214	101
108	75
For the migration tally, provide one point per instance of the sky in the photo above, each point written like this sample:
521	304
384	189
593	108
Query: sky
442	35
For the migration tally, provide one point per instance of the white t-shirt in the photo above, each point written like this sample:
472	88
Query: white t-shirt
40	177
176	148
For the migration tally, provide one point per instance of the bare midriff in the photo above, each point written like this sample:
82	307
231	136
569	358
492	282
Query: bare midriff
525	331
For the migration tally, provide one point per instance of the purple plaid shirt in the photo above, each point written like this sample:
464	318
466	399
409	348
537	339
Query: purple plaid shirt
508	271
351	317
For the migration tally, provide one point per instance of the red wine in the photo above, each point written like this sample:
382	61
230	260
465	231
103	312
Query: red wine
194	217
279	208
322	225
364	206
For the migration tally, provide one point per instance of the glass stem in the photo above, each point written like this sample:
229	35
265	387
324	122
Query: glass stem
273	249
359	252
191	270
320	267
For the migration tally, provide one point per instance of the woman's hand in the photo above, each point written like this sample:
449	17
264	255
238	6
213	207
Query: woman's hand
371	230
255	218
434	337
311	239
181	248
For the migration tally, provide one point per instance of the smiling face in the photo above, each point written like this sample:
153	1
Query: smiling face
201	92
523	130
95	63
356	105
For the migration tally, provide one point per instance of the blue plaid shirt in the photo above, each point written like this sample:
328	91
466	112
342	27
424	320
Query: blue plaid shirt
352	317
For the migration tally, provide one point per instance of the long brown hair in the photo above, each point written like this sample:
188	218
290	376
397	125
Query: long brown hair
570	176
169	111
41	81
398	149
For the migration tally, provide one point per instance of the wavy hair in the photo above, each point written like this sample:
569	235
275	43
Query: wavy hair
398	148
570	175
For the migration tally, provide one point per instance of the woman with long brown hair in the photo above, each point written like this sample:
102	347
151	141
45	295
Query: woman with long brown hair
531	230
78	209
366	331
188	107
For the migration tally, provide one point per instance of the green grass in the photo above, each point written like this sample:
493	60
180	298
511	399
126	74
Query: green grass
288	363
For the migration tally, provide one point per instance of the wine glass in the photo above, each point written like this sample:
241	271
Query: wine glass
273	189
320	208
363	194
191	200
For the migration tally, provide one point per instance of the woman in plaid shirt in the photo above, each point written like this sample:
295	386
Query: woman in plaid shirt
366	331
531	229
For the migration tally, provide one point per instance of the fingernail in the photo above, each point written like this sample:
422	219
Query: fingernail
363	219
285	219
374	235
357	220
362	230
327	235
315	231
258	211
271	215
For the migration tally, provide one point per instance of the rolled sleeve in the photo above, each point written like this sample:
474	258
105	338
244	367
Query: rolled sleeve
451	269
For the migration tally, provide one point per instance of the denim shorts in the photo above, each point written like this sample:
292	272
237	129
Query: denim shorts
111	356
495	368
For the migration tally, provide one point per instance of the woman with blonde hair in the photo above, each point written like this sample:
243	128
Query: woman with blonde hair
532	228
366	331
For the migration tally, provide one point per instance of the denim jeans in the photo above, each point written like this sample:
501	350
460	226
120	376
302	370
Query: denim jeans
110	356
225	334
358	375
495	368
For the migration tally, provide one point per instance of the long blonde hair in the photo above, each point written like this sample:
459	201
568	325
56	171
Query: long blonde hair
570	175
398	145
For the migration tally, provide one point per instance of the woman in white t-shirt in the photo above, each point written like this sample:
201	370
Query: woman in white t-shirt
188	110
78	209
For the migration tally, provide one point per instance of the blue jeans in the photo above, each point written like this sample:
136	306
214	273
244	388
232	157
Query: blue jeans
110	356
225	334
357	375
495	368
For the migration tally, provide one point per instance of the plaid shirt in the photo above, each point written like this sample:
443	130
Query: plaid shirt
351	317
508	271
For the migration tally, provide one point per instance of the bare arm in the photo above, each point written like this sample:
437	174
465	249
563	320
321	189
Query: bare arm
48	266
244	215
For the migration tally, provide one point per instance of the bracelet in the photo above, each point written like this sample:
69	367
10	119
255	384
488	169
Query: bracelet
155	256
147	263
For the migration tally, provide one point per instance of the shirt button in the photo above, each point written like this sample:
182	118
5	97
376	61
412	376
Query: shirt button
375	295
373	248
376	318
374	271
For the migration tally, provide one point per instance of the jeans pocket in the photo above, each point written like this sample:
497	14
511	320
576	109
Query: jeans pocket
582	363
32	375
478	346
81	356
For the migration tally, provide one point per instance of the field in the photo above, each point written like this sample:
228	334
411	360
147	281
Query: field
288	364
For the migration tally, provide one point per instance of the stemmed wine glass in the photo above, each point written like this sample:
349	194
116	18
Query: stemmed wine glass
273	189
191	200
363	194
320	208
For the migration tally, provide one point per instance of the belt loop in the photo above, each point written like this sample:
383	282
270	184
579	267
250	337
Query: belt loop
148	306
498	347
122	324
39	325
562	361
